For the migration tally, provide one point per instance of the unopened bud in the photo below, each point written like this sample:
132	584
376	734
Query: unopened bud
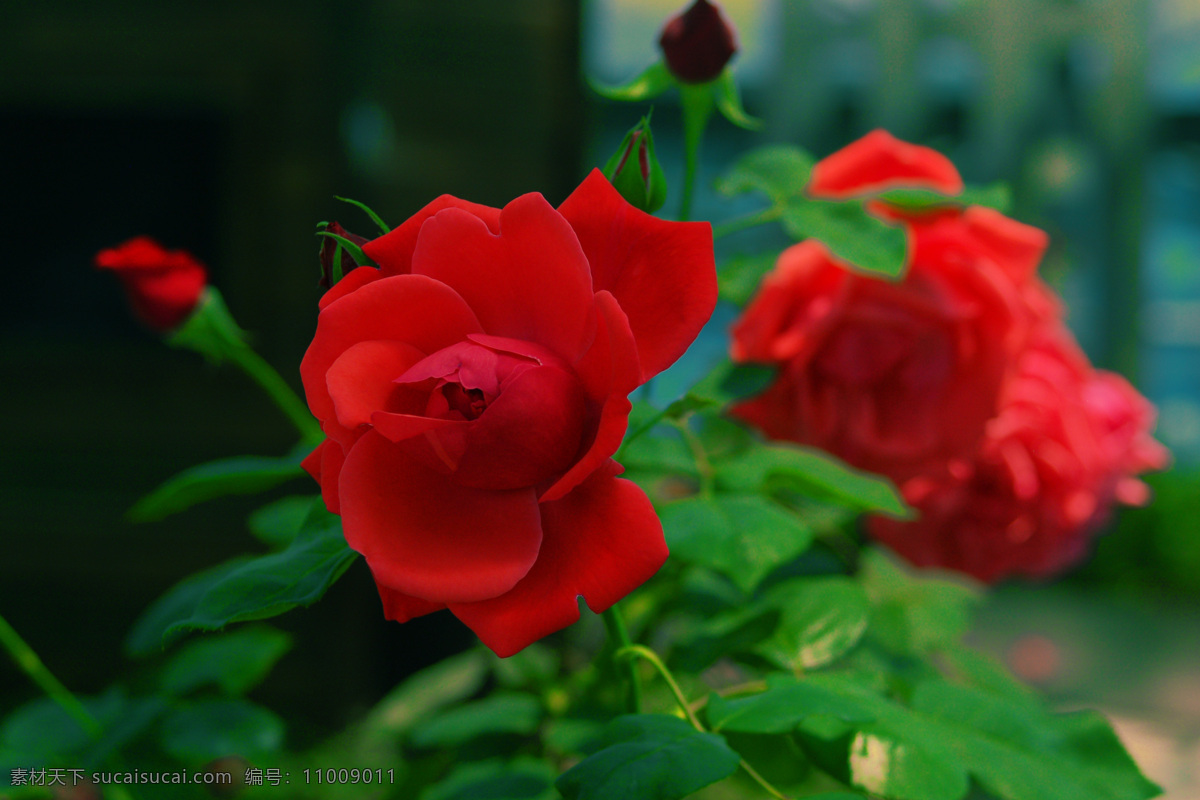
635	172
698	43
330	246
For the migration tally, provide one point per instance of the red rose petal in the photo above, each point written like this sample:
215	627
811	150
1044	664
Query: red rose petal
609	372
601	541
531	282
878	162
393	251
662	273
405	308
425	536
1016	247
352	280
362	380
326	461
401	608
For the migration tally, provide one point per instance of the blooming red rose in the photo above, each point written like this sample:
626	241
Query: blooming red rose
473	389
1067	443
163	286
894	378
698	43
960	383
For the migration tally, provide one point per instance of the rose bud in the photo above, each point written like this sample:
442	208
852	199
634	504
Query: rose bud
635	172
163	286
473	389
698	43
330	246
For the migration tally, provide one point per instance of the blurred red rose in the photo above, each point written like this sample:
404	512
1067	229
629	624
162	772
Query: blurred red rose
473	389
163	286
698	43
960	383
1067	443
894	378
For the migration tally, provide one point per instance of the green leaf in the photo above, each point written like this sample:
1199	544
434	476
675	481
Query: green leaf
995	195
785	703
729	103
911	613
534	667
248	588
520	779
278	523
737	630
356	252
236	662
985	673
445	682
820	620
1026	754
379	223
201	731
654	80
813	473
727	382
866	243
146	636
500	713
739	277
779	171
744	537
649	757
242	475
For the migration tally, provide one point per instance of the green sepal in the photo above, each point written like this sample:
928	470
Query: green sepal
210	329
729	102
356	253
653	81
379	223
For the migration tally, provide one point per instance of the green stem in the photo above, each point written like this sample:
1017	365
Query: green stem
697	108
648	654
619	635
651	656
277	388
29	663
704	467
749	221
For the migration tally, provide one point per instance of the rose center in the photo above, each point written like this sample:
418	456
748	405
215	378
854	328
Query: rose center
468	402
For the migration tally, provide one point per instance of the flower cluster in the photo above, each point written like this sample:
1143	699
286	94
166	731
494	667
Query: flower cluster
961	383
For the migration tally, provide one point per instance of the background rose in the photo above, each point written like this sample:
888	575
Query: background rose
473	389
1068	442
894	378
163	286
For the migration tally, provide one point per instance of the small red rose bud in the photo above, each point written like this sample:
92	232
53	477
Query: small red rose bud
163	286
698	43
329	247
635	172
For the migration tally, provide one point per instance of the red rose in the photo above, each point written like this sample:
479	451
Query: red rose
473	389
1068	442
163	286
698	43
894	378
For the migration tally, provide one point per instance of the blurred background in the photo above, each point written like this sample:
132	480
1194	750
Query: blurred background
226	129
